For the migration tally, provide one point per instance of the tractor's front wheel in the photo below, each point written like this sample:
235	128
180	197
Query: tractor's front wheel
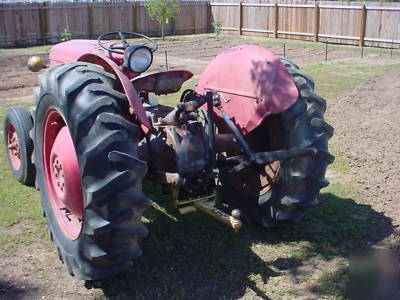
88	173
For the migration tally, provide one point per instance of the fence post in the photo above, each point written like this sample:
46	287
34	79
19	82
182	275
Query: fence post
43	23
240	17
363	19
91	20
209	17
134	13
276	20
316	22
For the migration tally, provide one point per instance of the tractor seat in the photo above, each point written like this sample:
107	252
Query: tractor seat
162	82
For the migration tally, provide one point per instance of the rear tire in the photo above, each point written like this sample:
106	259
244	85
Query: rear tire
110	173
17	124
296	184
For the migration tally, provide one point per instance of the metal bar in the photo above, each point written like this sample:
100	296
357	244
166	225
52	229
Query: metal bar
258	4
239	137
391	49
224	4
262	158
340	6
295	33
166	59
257	30
297	5
338	36
382	8
381	40
20	8
210	129
195	199
229	28
326	52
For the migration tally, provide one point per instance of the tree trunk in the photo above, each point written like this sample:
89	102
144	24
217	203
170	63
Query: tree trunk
162	31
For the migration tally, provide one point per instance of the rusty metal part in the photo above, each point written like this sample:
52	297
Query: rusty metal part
255	181
182	112
226	142
163	154
238	136
189	143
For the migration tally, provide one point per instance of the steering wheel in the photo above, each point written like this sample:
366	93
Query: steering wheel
120	49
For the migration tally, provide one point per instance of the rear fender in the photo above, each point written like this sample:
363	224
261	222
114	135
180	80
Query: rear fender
125	86
252	82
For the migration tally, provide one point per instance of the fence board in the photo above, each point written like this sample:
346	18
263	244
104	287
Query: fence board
26	24
21	24
339	21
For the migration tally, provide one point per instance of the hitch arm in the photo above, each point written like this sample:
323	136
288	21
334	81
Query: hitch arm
263	158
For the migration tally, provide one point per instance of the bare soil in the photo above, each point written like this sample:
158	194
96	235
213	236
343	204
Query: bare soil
367	132
16	82
366	121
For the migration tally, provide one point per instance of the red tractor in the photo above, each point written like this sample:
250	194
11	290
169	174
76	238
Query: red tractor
251	134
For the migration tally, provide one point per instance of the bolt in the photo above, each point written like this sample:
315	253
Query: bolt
236	213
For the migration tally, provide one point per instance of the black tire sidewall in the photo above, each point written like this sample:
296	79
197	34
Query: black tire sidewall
70	247
20	123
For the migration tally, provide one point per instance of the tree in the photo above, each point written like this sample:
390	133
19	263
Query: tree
162	11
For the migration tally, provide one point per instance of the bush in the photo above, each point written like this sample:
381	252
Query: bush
217	27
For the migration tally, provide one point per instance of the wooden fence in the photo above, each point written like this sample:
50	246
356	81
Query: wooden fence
357	23
27	24
369	23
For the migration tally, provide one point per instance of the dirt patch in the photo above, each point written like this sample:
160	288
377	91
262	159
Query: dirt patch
35	272
17	82
366	121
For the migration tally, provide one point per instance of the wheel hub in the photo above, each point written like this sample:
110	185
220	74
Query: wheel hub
13	147
58	174
63	176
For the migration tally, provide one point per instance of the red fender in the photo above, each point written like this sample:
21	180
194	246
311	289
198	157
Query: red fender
89	51
253	84
110	66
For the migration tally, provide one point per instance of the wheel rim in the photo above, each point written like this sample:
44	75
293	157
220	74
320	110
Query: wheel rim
62	175
13	147
253	182
256	181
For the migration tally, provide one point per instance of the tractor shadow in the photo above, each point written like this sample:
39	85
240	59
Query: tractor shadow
194	257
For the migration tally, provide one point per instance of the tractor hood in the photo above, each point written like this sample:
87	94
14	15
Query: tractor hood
73	50
253	83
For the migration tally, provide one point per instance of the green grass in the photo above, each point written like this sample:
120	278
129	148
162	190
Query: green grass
20	206
335	78
340	164
26	51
